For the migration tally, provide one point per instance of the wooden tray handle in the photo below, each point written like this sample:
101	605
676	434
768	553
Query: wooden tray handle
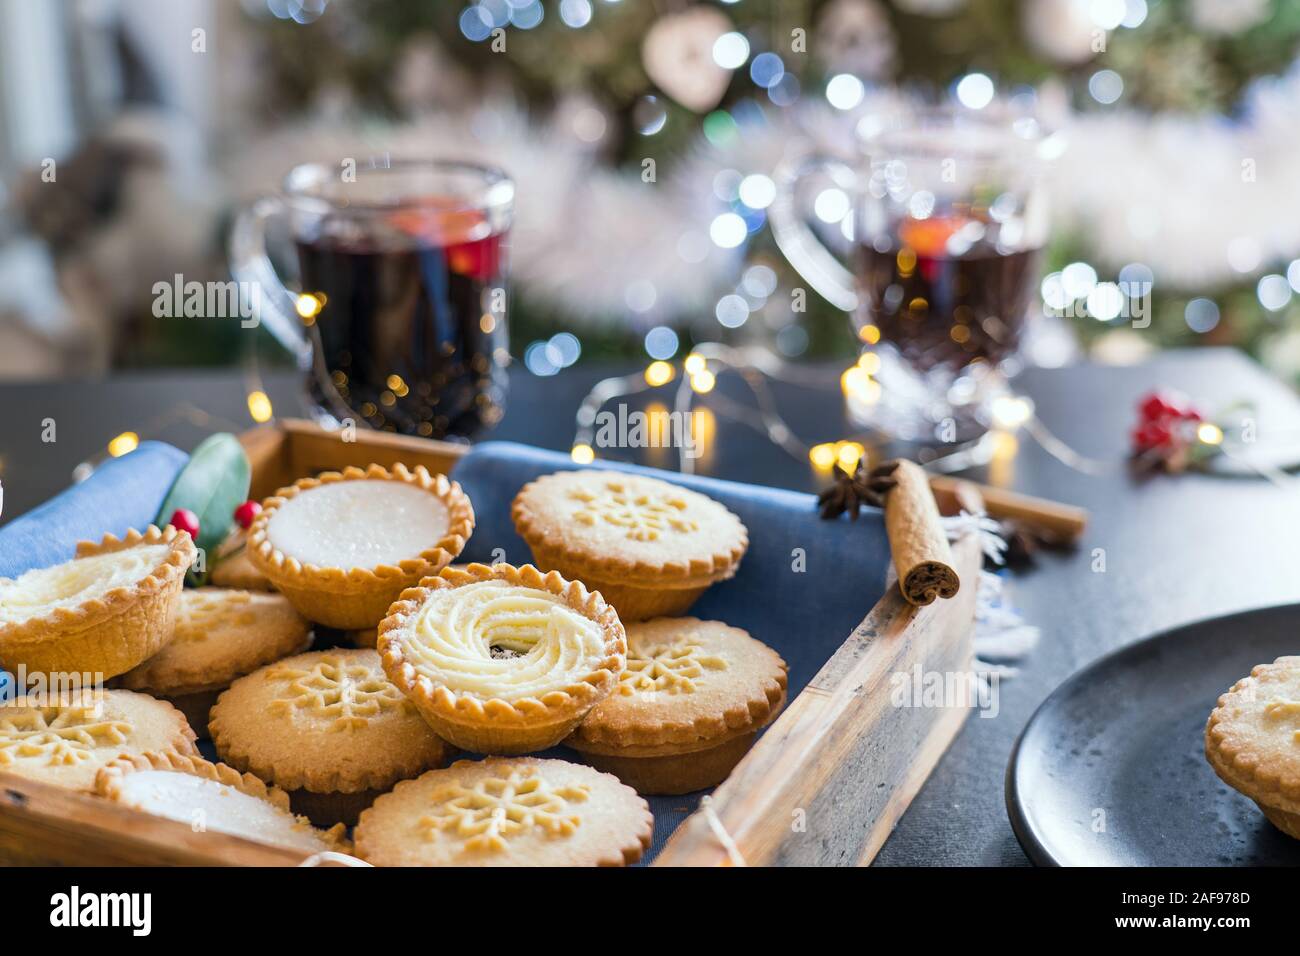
917	540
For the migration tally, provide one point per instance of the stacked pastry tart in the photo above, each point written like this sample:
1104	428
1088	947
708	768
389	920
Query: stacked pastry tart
584	649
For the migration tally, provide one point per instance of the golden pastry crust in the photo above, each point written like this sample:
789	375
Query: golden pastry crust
628	529
675	773
1252	738
326	722
237	571
521	811
109	784
221	634
649	547
689	685
507	720
67	745
111	632
356	598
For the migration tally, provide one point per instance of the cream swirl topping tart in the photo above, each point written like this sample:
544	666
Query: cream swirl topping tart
503	640
502	659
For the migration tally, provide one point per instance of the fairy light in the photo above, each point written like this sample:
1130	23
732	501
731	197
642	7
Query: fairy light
703	381
259	406
855	381
308	306
822	456
869	362
582	454
869	334
1010	412
695	363
704	428
659	373
848	454
1002	459
123	444
1209	433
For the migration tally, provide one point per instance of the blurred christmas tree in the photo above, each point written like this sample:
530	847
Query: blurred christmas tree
667	80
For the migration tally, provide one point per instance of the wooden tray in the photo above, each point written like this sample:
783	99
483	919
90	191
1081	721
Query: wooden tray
824	785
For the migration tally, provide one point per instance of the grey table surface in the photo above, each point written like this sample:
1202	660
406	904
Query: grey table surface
1176	549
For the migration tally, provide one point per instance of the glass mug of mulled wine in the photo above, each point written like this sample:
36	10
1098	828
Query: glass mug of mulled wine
399	318
944	218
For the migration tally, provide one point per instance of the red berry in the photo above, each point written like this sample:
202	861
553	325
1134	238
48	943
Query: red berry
1151	435
246	512
1157	405
183	519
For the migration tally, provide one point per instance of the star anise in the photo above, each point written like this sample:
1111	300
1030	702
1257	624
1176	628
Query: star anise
853	490
1024	541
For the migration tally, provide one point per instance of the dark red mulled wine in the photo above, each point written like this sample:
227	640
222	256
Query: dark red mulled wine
943	295
411	330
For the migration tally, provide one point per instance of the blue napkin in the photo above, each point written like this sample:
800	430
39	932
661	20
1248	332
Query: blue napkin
123	493
803	587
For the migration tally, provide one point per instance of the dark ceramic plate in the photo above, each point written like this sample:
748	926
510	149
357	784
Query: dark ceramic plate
1111	771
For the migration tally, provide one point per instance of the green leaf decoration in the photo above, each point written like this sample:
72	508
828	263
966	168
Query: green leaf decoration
212	485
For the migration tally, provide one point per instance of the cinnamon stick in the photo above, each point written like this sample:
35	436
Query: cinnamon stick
917	540
1063	522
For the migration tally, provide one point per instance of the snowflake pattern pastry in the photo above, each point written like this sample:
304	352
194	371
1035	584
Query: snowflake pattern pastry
645	515
506	811
512	800
650	547
347	691
669	667
1281	710
66	744
328	728
688	707
1251	741
58	736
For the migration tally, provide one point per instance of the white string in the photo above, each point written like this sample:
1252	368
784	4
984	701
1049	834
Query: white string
1001	633
720	833
992	543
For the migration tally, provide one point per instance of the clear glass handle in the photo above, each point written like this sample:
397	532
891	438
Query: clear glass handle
276	305
799	244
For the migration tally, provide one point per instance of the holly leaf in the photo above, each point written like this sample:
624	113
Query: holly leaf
212	485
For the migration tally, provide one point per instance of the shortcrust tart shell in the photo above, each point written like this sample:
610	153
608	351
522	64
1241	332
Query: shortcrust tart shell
220	634
237	571
111	783
650	547
688	707
67	743
1252	740
327	727
507	811
471	697
357	598
113	632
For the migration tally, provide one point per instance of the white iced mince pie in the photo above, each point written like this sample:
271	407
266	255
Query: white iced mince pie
343	546
104	612
212	797
502	659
